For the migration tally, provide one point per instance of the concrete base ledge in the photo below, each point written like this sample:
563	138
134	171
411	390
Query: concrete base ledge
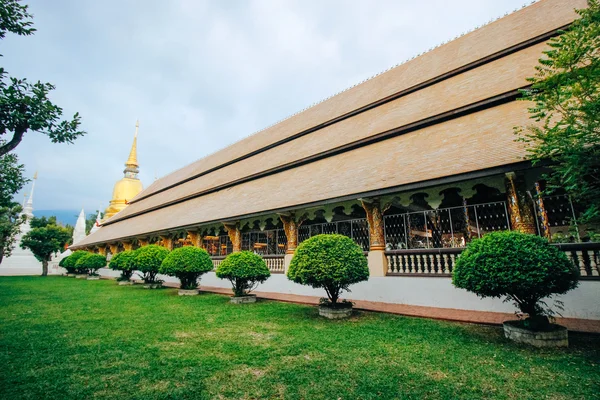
251	298
187	292
125	283
559	337
335	313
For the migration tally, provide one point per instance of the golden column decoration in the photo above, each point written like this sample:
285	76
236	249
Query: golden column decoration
114	248
290	227
541	212
375	218
196	238
143	242
128	246
102	250
167	242
235	235
519	209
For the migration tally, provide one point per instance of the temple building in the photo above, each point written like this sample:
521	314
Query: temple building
412	164
129	186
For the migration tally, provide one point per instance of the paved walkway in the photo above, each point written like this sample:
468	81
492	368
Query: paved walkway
449	314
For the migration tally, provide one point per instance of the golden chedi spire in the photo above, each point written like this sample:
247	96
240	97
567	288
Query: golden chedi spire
130	185
132	160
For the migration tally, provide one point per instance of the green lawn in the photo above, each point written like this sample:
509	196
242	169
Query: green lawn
64	338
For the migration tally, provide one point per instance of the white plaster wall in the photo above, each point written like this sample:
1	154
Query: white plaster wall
583	302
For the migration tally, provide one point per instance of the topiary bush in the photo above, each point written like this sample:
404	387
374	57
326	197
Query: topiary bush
124	262
70	261
245	270
91	263
148	260
188	264
61	263
521	267
331	262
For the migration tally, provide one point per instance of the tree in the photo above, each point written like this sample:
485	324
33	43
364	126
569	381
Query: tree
148	260
522	267
565	92
11	181
331	262
187	264
245	270
25	106
10	222
44	241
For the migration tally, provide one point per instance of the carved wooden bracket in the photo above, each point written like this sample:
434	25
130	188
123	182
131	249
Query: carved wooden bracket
375	218
235	235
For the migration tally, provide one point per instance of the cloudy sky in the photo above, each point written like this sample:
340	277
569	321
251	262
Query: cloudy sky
202	74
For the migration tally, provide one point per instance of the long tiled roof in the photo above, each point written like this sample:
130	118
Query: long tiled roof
397	128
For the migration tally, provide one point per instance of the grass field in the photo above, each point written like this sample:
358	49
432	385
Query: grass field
62	338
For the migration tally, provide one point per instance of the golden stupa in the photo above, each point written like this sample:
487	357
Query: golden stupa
128	187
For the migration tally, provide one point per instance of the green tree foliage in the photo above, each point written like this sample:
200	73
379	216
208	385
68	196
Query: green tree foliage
91	263
565	92
42	222
187	264
331	262
124	262
44	242
11	181
70	261
148	260
245	270
25	106
521	267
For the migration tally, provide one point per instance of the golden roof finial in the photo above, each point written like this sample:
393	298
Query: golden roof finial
132	160
35	175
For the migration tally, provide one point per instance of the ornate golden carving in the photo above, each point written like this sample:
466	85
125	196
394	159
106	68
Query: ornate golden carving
519	209
167	242
235	235
375	218
102	250
143	242
114	248
195	238
541	211
290	227
128	245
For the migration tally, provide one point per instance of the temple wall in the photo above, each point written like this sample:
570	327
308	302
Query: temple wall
419	291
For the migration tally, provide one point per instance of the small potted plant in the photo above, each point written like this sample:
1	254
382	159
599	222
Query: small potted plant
91	263
524	269
124	262
331	262
148	260
245	270
70	269
71	261
187	264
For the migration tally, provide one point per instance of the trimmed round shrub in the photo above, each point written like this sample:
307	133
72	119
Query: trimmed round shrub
70	261
245	270
331	262
188	264
90	263
521	267
148	260
124	262
61	263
